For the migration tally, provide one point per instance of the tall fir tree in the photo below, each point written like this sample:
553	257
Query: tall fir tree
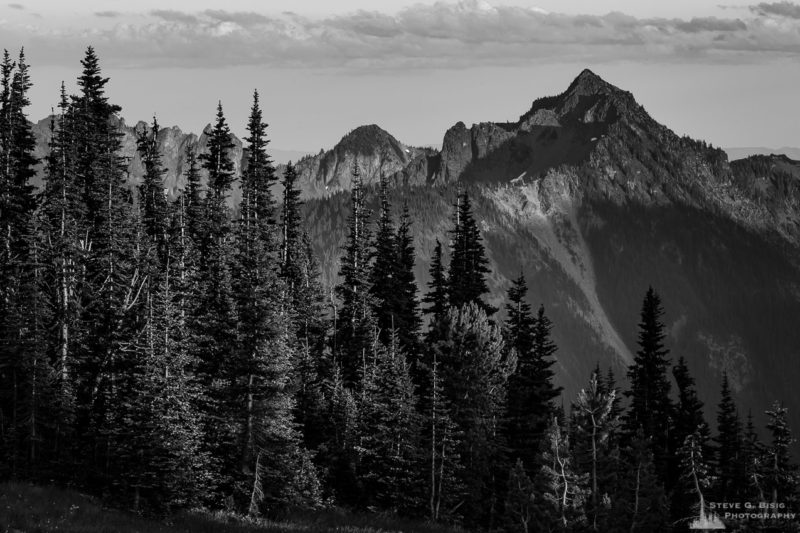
353	320
383	283
781	479
520	499
216	159
530	388
153	202
23	363
193	200
389	430
694	482
291	246
262	367
62	257
640	503
689	421
441	445
728	442
753	462
111	284
468	263
650	405
593	427
392	283
408	322
313	369
475	367
436	298
213	319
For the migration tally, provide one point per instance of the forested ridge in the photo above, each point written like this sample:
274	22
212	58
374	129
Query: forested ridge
167	354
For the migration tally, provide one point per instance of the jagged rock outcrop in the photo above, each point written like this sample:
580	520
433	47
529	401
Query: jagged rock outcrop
173	143
374	151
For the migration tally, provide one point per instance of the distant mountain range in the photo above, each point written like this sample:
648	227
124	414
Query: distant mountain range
742	152
593	201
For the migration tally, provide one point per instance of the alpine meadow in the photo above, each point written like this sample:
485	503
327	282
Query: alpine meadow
578	321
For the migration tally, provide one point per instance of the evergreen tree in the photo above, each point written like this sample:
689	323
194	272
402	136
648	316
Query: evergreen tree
22	312
650	405
269	451
729	481
353	321
158	461
437	298
593	427
213	319
610	385
389	429
152	196
258	176
339	454
563	490
520	499
753	463
688	409
639	504
530	387
689	422
694	480
468	263
781	480
291	246
17	159
193	200
217	161
111	285
408	321
312	369
475	367
383	281
441	445
392	283
62	258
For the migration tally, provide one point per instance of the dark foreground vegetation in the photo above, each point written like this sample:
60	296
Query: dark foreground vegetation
168	355
38	509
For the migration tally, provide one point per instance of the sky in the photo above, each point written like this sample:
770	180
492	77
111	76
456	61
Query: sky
725	72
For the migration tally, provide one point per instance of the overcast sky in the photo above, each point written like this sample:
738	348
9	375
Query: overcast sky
724	72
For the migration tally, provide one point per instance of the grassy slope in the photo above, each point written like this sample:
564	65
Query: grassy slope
36	509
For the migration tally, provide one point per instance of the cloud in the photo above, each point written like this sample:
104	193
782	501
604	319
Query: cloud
169	15
16	6
781	9
107	14
439	35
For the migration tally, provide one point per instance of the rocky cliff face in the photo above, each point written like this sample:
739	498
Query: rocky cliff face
374	151
173	143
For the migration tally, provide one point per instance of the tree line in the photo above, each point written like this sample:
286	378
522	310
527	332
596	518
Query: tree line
174	353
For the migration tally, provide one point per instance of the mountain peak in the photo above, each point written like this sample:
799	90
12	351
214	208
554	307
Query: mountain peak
588	92
589	83
369	139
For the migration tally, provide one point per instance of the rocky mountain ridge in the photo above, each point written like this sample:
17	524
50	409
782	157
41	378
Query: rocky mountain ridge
594	134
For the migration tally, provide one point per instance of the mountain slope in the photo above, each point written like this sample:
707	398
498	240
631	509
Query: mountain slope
594	201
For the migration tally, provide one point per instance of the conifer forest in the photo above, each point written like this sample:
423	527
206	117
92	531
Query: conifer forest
165	352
